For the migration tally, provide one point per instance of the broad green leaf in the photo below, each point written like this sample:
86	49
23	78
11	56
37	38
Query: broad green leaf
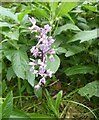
10	73
74	49
9	53
58	100
89	90
64	8
8	13
53	65
85	36
19	63
7	106
30	77
80	69
66	27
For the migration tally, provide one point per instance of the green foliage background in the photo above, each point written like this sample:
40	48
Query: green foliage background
75	30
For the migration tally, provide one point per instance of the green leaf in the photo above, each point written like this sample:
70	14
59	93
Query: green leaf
22	14
30	77
53	65
9	53
19	63
5	24
18	114
66	27
89	90
7	106
53	6
74	49
61	50
13	35
4	86
38	93
40	13
64	8
92	8
58	100
69	16
8	13
79	69
50	103
85	36
10	73
58	41
37	115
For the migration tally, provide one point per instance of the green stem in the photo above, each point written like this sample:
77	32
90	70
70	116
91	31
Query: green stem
19	88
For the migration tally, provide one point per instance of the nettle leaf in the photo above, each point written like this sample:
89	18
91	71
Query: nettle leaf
19	63
89	90
85	36
7	106
8	13
66	27
53	65
79	69
64	8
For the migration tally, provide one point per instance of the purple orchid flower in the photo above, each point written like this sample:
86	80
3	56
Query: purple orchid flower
40	52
